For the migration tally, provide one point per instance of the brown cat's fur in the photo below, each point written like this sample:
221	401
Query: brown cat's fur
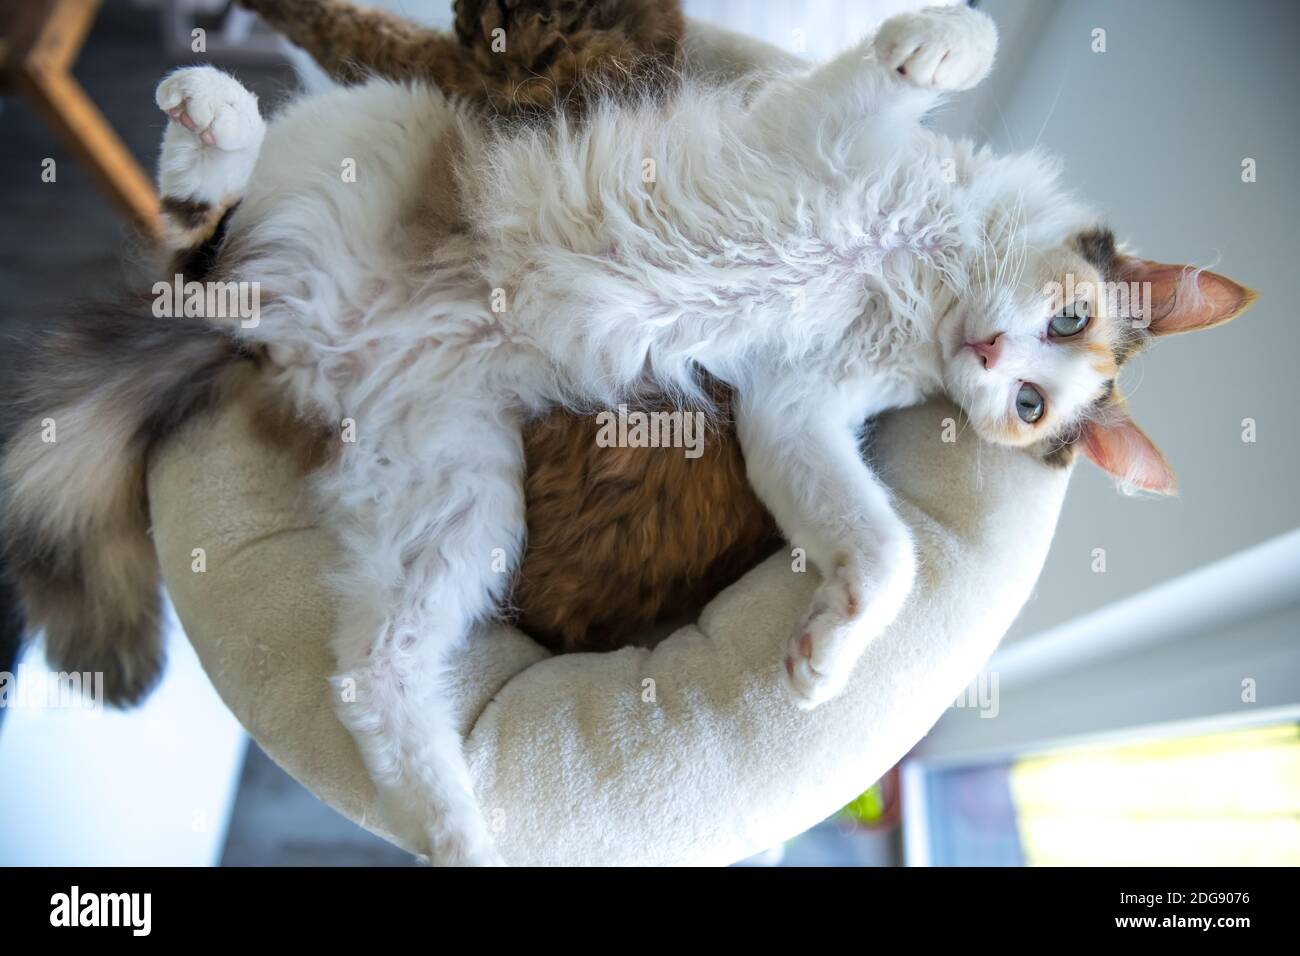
555	51
620	538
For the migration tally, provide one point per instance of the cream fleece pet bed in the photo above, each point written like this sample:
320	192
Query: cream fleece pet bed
690	753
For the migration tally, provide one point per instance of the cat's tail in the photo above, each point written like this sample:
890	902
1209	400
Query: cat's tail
96	391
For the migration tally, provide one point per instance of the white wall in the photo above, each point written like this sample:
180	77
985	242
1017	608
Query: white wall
152	786
1154	131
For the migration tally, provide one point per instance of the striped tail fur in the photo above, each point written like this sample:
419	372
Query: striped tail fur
96	392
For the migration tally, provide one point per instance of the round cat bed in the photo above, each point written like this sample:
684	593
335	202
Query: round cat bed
688	753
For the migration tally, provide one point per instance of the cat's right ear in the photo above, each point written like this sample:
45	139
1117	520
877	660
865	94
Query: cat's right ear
1185	299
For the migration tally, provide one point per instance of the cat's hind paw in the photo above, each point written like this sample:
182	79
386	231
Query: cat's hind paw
213	138
458	855
945	49
467	844
214	106
457	836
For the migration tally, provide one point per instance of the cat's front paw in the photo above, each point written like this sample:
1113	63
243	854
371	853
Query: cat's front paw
820	656
853	605
941	48
219	110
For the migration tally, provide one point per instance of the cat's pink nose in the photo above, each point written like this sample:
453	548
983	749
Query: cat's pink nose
988	351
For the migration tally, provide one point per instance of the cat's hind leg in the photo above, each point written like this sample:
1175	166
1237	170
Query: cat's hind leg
878	89
432	515
943	48
209	149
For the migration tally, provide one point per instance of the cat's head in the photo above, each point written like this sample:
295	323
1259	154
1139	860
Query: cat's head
1034	362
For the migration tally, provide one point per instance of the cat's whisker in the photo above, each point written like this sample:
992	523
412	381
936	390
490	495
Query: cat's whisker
1051	110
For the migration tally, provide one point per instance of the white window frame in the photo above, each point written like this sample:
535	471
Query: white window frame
1171	661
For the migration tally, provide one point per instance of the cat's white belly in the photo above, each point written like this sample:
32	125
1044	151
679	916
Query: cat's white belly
372	270
370	289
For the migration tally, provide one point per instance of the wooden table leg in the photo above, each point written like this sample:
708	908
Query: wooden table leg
39	42
71	114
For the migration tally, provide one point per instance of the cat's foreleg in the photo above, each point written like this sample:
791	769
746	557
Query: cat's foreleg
209	148
432	524
804	463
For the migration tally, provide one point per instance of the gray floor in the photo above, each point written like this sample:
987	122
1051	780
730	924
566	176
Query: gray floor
276	822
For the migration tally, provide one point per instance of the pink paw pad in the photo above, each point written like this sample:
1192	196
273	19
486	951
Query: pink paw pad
182	117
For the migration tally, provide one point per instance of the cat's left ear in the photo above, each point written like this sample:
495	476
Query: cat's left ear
1185	299
1116	445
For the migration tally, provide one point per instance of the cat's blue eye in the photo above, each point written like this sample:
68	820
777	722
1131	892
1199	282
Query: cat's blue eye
1029	404
1071	320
